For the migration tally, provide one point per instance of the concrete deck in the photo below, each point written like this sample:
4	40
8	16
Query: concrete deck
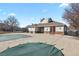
68	43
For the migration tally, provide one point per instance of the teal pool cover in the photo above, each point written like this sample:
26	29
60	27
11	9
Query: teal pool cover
32	49
12	37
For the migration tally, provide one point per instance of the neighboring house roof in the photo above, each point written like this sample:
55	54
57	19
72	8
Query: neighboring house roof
46	24
1	24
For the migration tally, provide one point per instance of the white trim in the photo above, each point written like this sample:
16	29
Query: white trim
59	29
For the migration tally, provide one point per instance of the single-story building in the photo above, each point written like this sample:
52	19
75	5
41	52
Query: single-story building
47	27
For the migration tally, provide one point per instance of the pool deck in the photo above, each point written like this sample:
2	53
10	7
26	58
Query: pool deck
69	44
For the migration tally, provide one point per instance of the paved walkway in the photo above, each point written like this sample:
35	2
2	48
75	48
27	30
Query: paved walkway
68	43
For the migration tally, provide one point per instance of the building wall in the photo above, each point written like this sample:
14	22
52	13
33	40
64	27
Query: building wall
36	29
39	29
47	29
32	30
59	29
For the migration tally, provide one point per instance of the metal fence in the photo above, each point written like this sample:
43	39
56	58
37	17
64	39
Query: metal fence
73	33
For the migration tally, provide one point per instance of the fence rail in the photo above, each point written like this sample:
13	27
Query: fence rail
73	33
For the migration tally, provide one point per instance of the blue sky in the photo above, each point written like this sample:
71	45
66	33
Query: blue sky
28	13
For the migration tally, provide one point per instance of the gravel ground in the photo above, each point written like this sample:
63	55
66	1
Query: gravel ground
69	44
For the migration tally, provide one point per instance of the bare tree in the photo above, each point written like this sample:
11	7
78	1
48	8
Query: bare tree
1	25
11	22
0	21
71	14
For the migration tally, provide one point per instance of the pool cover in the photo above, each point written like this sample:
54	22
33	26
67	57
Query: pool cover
32	49
12	37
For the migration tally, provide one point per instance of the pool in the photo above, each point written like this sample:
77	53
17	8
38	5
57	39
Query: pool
32	49
12	37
